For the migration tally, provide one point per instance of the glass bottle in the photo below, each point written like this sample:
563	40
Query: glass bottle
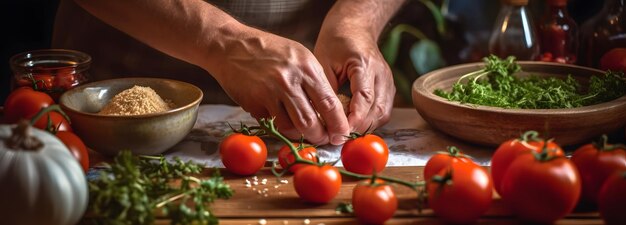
52	71
514	33
603	32
558	34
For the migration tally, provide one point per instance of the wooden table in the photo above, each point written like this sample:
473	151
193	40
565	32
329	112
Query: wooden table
281	205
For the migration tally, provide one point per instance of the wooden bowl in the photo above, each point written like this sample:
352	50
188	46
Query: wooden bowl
491	126
146	134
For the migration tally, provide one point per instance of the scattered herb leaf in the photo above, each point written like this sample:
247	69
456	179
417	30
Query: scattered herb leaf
134	188
344	207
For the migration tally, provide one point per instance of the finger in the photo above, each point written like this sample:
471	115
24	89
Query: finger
303	117
362	87
283	122
329	107
380	113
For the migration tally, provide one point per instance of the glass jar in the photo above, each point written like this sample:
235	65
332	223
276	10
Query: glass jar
603	32
52	71
514	33
559	34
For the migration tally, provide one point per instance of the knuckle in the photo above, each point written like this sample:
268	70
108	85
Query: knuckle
327	104
306	123
367	94
381	111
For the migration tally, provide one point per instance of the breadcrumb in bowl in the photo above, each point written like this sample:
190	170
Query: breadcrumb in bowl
146	130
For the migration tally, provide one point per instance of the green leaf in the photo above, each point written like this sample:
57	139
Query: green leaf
426	56
437	15
344	208
390	48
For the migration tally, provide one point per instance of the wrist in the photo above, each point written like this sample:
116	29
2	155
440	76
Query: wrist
220	43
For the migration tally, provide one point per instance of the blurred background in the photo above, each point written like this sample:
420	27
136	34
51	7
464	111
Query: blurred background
425	35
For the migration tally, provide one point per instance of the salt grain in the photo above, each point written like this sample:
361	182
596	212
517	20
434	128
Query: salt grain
262	221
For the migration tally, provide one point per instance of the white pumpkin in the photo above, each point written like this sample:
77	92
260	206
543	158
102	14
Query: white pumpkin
42	186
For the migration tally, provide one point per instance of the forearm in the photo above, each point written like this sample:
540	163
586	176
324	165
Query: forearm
190	30
360	17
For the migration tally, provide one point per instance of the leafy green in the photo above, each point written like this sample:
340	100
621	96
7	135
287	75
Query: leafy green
133	188
501	88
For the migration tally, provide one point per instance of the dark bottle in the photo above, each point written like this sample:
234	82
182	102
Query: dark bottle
603	32
514	33
558	34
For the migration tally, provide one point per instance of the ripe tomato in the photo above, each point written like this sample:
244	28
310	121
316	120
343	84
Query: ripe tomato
365	154
541	190
317	184
58	121
65	79
444	159
285	157
24	103
243	154
615	60
374	203
508	151
595	163
612	197
463	200
76	147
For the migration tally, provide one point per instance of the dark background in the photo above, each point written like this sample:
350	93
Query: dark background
27	24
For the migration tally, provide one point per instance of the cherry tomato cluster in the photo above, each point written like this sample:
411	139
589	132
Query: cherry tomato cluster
539	184
532	175
28	103
244	153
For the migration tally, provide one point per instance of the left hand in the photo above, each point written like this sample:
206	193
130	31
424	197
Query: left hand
350	56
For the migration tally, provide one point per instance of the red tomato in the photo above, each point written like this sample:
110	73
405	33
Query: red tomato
364	155
595	163
541	191
65	80
374	203
23	103
285	157
615	60
76	147
44	82
612	198
508	151
59	123
317	184
463	200
444	159
243	154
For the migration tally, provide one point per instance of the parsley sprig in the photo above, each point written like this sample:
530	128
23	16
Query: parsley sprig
496	85
135	189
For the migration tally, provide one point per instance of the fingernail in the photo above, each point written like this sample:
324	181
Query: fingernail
337	140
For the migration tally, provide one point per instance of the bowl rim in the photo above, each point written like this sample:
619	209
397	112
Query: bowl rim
418	87
149	115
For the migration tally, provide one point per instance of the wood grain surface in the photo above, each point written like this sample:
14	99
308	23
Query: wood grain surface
279	204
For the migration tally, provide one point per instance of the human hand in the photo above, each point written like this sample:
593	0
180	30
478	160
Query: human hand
268	75
357	58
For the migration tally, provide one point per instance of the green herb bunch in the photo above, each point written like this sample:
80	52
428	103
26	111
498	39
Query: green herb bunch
135	189
496	85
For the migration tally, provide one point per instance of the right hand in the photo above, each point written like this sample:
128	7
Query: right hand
271	76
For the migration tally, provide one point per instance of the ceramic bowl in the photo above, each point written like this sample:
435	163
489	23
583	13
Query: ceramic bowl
146	134
491	126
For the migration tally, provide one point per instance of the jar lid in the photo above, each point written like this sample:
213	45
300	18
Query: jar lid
516	2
